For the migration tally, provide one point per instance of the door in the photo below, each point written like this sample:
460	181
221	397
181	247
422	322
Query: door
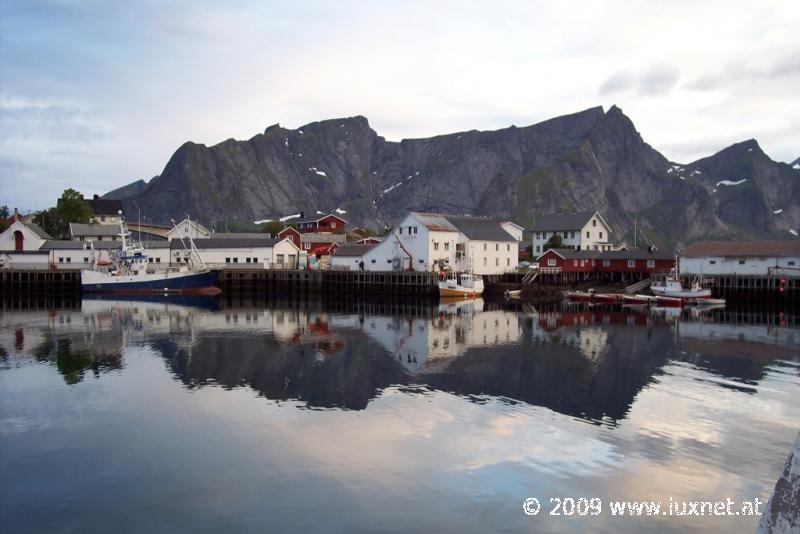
18	240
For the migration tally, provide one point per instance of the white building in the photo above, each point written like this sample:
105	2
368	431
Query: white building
749	258
67	254
244	253
94	232
21	236
434	242
188	228
514	229
579	231
348	257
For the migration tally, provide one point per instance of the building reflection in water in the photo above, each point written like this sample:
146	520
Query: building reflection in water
584	362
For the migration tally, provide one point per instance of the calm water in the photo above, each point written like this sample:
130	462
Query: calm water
240	414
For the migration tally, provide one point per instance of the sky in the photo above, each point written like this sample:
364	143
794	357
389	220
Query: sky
98	94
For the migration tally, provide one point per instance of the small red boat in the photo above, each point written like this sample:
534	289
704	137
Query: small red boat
671	302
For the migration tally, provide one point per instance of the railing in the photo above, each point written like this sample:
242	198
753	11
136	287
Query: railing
550	270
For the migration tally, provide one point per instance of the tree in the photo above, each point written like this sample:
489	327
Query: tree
70	208
4	222
554	242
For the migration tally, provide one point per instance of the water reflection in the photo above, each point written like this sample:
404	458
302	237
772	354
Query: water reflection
584	362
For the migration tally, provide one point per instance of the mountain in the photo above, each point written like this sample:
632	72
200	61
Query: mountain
593	159
126	191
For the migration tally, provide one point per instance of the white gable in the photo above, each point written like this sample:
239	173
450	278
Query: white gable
30	239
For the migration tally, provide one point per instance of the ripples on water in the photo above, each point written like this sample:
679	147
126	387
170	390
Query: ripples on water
339	415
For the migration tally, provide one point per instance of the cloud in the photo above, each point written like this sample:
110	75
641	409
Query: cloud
656	80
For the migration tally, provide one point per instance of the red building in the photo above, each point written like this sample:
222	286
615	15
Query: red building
329	224
611	265
292	234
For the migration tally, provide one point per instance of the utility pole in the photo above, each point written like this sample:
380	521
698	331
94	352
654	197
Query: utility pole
634	230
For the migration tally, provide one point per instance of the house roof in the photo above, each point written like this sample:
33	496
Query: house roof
636	254
572	254
480	229
513	224
315	237
84	230
318	219
36	229
227	242
233	235
289	229
105	206
764	248
352	250
153	243
68	244
435	222
564	221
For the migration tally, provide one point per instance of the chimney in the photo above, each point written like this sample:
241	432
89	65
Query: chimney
302	215
96	196
16	215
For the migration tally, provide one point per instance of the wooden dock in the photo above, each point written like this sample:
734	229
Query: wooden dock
339	282
60	281
772	288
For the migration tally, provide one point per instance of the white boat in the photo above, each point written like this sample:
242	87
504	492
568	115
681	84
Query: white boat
672	287
129	274
461	285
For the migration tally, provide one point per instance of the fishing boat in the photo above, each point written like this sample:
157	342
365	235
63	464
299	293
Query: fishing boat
461	285
672	287
581	296
513	293
129	273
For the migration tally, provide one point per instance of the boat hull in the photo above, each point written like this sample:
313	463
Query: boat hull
204	283
684	294
460	292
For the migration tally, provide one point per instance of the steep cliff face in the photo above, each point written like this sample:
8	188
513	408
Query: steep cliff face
588	160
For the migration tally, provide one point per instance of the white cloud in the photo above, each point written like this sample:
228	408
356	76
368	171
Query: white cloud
143	78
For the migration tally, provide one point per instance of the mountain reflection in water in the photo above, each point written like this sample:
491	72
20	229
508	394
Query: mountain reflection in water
582	362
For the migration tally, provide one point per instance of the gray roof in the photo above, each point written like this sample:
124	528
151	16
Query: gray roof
105	206
480	229
237	242
84	230
247	235
435	222
68	244
636	254
156	243
561	222
315	237
573	254
318	218
354	250
36	229
739	249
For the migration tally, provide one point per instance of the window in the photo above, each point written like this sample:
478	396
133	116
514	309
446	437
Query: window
307	246
373	261
113	238
484	246
497	262
255	260
401	230
158	260
508	248
538	235
447	245
235	260
572	235
435	245
69	259
713	262
409	230
631	264
587	235
564	234
60	260
247	260
333	225
741	262
601	235
422	261
551	262
651	264
497	247
415	230
484	262
575	263
508	262
538	248
791	264
86	260
594	222
227	260
149	260
388	261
